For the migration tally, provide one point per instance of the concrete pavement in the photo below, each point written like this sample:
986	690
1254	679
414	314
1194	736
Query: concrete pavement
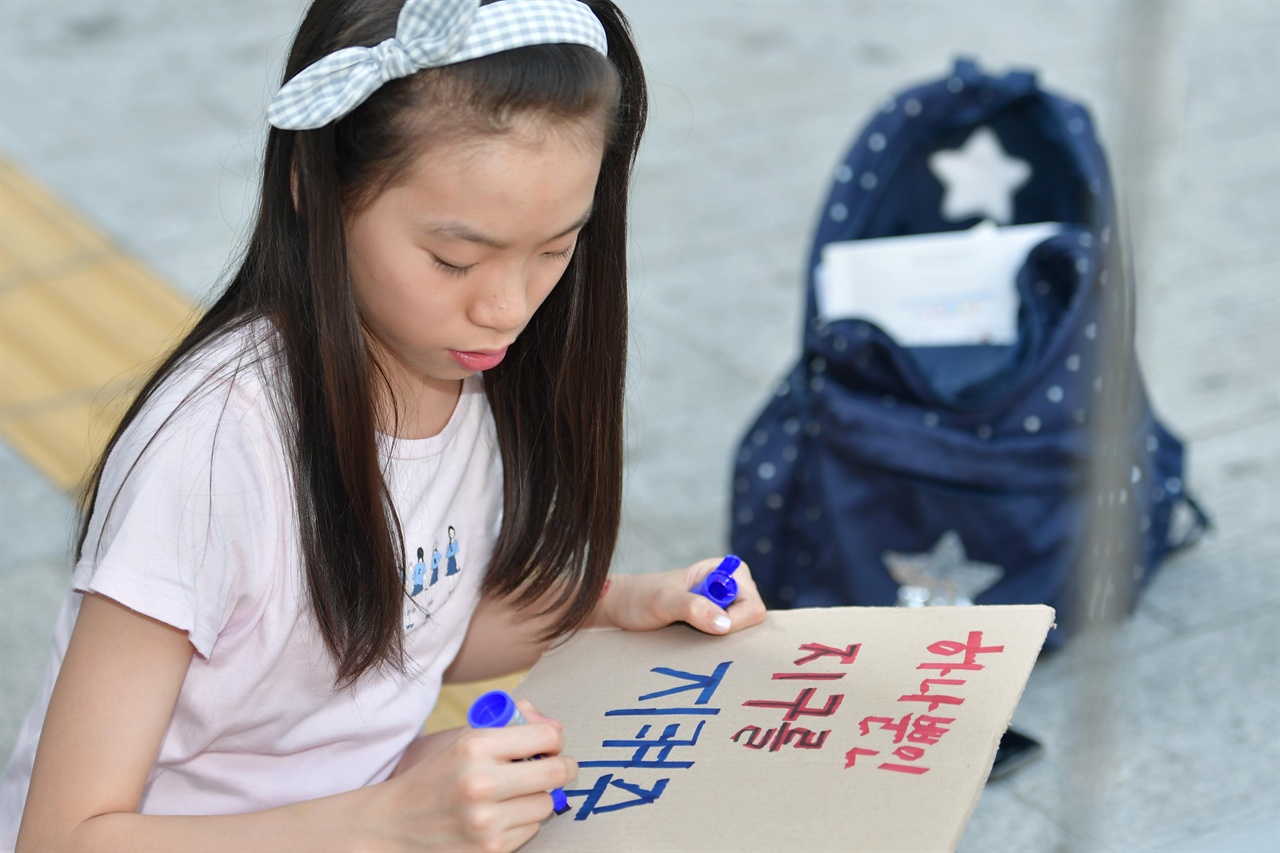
146	117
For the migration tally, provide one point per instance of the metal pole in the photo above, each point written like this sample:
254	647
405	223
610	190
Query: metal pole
1106	584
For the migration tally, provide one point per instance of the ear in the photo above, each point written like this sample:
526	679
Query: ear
293	186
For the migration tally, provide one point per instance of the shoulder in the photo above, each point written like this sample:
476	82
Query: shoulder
212	426
220	394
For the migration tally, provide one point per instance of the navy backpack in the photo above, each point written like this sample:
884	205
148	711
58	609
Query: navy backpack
879	474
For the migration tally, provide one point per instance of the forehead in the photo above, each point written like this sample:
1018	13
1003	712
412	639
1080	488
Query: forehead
524	140
511	184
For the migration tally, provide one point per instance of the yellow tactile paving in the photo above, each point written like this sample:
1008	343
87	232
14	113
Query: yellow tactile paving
80	324
37	233
64	441
8	260
92	325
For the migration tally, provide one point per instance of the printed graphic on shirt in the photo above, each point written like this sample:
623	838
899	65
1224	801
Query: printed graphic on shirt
451	556
424	594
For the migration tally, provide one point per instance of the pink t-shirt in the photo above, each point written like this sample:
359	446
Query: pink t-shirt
202	536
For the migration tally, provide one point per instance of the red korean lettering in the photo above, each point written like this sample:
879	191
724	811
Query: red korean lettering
808	676
971	649
851	757
923	729
898	727
785	735
847	655
799	707
906	753
934	699
754	739
928	730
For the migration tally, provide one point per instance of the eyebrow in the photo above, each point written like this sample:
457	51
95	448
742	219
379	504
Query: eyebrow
463	231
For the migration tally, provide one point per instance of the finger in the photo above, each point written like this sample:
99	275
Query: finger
534	776
748	608
681	605
745	613
513	743
525	811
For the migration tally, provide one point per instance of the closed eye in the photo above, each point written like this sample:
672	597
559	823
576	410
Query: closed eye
560	256
450	269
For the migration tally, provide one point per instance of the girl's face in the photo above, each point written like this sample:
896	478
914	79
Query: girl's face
449	265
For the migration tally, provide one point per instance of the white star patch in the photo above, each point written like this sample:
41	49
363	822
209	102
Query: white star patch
941	576
979	179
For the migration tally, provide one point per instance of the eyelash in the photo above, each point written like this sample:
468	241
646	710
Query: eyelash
450	269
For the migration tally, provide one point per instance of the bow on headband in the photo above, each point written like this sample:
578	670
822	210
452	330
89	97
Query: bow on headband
429	33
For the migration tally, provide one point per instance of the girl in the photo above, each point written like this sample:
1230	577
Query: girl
444	195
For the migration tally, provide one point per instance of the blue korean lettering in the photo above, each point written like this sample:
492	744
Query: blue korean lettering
640	796
660	747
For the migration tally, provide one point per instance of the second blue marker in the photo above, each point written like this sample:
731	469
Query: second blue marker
719	586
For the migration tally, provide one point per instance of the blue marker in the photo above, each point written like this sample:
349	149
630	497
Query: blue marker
495	710
719	586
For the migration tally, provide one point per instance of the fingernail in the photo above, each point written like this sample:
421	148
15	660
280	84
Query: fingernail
723	623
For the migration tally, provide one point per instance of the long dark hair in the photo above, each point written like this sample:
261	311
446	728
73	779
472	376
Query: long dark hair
557	398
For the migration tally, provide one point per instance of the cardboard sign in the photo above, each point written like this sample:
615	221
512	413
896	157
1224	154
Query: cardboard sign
945	289
835	729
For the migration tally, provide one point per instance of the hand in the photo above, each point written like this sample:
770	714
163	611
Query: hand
650	601
469	789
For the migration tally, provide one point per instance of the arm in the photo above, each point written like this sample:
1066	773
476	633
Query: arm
503	639
108	714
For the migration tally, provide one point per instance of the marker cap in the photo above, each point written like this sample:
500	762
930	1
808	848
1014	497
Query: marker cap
493	710
719	586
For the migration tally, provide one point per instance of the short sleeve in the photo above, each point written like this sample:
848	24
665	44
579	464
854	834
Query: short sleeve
188	511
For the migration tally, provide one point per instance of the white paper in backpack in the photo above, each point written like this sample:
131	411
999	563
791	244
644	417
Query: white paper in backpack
847	728
942	289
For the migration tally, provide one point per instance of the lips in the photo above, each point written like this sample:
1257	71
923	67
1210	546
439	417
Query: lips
479	359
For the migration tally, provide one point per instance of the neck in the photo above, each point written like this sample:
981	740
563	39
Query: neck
410	404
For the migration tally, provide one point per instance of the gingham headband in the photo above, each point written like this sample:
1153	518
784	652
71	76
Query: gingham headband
429	33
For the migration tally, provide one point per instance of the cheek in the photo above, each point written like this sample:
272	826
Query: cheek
546	282
390	280
365	266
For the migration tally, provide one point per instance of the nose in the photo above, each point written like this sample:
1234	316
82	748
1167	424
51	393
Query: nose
501	301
